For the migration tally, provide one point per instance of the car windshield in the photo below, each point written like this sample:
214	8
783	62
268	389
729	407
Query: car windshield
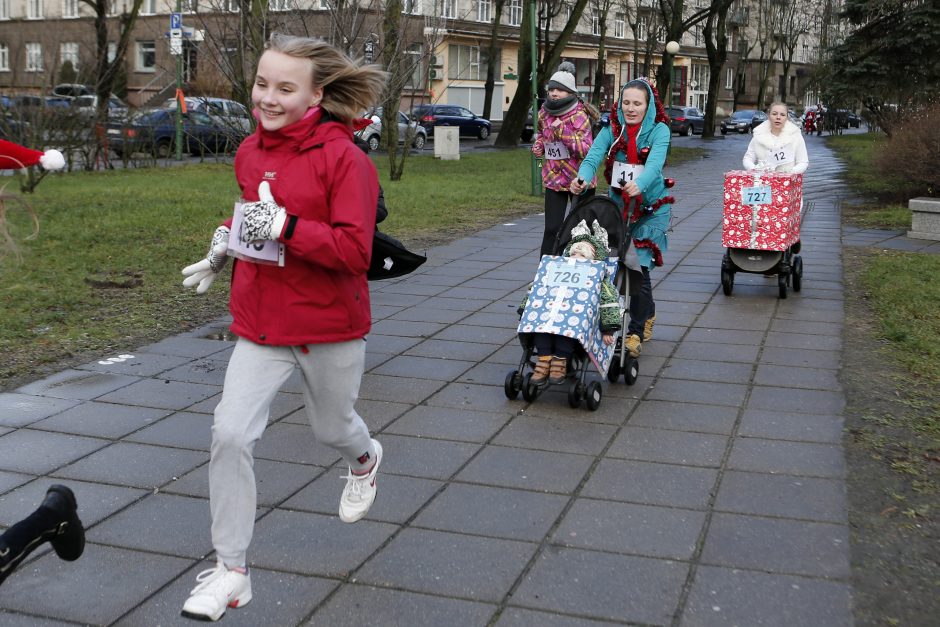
742	115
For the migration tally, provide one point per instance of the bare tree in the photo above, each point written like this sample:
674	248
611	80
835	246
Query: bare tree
676	23
796	19
491	67
107	70
601	8
716	47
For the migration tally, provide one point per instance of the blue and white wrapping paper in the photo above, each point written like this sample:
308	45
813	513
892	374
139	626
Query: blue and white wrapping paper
565	300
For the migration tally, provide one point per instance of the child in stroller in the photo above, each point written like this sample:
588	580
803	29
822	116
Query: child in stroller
561	358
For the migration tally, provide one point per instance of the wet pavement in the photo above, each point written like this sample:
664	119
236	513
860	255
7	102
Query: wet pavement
711	492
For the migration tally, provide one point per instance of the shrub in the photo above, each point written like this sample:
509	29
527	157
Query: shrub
912	153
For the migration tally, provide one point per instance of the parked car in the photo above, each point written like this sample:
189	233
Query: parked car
372	134
686	120
742	121
88	106
470	124
848	118
72	90
153	131
226	112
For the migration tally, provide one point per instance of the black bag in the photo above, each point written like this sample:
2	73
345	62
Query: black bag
390	258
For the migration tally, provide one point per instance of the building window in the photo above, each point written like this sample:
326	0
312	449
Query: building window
620	26
449	8
413	55
729	78
112	51
69	52
641	26
146	56
4	9
34	9
484	10
33	57
323	5
595	22
280	5
112	7
188	6
4	58
149	7
409	6
69	8
697	36
468	63
515	12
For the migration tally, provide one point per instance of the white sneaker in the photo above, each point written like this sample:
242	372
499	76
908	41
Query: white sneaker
359	493
218	588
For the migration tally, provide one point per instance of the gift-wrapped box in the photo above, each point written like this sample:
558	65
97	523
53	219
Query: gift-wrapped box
761	210
565	300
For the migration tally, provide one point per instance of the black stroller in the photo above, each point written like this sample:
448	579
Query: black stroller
609	216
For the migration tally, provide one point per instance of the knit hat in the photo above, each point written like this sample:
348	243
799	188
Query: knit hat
564	78
597	239
16	157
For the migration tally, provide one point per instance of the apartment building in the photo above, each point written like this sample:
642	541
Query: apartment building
444	47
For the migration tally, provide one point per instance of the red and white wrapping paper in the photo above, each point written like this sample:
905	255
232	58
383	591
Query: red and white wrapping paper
771	226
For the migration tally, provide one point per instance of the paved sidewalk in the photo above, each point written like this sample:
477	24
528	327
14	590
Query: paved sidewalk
709	493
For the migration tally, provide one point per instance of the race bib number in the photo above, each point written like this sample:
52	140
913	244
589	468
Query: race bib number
573	275
623	173
556	150
755	195
267	252
780	156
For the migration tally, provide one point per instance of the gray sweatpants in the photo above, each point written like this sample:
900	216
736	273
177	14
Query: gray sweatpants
331	374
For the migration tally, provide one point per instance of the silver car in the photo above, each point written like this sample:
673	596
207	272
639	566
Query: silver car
228	113
372	134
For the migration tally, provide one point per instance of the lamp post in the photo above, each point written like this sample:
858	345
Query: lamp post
672	49
536	173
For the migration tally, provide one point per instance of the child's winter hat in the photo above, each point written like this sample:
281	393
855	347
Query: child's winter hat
16	157
597	239
564	78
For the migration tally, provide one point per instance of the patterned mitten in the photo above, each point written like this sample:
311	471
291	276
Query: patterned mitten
263	219
203	273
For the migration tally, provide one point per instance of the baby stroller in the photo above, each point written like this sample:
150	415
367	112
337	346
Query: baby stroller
761	228
609	216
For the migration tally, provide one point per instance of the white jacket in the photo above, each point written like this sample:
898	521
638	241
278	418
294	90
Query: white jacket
766	148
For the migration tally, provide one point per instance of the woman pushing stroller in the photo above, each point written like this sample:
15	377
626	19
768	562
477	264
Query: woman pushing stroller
633	150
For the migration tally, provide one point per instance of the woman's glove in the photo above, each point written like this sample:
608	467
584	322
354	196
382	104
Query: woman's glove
264	219
203	273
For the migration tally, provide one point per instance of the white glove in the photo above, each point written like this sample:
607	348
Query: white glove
203	273
263	219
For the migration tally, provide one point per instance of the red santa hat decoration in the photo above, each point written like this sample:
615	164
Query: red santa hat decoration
16	157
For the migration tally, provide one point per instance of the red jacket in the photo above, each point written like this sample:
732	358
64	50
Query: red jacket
321	294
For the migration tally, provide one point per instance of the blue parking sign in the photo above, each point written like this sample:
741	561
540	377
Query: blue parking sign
176	20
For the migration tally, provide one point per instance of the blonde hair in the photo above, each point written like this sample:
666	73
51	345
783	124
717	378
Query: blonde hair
778	103
348	87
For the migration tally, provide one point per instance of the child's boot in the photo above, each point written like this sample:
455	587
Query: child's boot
648	328
633	344
542	366
558	371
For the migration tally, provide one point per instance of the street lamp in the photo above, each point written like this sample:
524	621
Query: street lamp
672	49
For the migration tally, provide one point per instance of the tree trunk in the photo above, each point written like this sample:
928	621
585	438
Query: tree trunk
716	46
391	32
601	61
490	66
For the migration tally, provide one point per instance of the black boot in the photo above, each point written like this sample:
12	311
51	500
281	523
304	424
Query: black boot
55	520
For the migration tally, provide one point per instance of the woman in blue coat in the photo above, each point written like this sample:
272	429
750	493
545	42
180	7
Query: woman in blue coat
632	150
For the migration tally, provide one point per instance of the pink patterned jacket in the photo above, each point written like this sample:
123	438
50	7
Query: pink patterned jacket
573	129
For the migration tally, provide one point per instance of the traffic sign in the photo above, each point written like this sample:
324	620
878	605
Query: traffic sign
176	20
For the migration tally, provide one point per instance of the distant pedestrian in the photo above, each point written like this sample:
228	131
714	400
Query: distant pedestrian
777	144
311	200
55	521
563	137
633	151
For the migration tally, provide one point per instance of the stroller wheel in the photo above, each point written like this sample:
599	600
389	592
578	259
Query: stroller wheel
613	373
797	270
530	391
631	370
782	284
512	385
575	391
727	282
594	395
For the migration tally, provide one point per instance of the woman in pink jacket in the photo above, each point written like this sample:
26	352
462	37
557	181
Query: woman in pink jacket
563	138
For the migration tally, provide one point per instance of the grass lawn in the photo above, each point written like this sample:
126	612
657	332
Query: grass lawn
879	208
103	274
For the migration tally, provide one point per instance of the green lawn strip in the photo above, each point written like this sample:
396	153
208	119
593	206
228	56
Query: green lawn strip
104	271
905	297
877	210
